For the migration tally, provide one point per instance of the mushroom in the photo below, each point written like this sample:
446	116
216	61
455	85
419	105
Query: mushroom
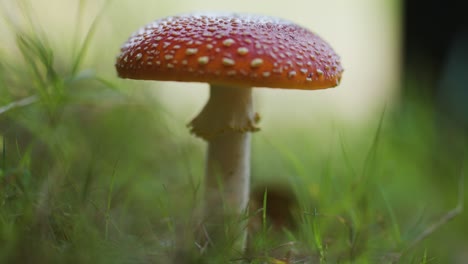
232	53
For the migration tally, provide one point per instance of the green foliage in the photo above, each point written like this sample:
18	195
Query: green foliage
90	173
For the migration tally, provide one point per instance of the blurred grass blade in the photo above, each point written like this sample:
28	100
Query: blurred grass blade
450	215
28	55
394	223
318	236
289	156
424	260
264	212
78	60
370	160
78	25
18	104
3	169
107	83
39	59
109	200
346	156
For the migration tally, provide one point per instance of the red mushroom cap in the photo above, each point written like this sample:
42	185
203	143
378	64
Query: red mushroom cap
234	50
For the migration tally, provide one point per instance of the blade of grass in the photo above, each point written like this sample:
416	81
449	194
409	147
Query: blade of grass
317	236
371	155
444	219
109	200
288	155
438	223
28	55
3	169
264	212
78	25
45	80
312	232
88	180
18	104
78	60
163	206
27	10
393	220
344	151
424	260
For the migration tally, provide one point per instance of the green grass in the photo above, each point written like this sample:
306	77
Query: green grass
92	173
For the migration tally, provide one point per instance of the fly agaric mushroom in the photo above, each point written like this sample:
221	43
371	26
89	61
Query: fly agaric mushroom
232	53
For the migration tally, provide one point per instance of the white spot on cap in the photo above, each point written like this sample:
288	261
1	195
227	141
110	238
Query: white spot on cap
228	42
256	63
228	62
138	56
170	65
291	74
209	46
242	50
231	73
203	60
304	71
191	51
266	74
168	57
319	72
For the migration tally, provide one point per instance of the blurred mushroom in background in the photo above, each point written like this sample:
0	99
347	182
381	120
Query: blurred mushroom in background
280	203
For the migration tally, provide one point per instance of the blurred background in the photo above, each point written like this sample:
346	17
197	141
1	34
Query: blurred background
365	33
92	163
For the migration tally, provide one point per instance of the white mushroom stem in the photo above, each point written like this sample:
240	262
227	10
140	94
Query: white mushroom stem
225	123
